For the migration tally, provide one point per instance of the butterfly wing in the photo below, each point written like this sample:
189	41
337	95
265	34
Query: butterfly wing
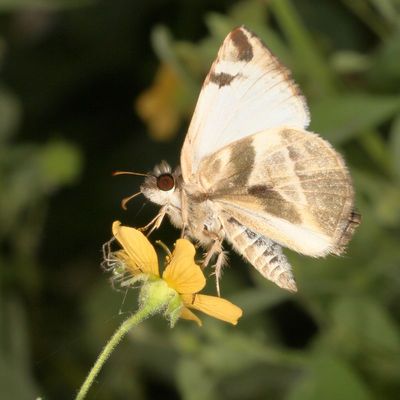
246	91
285	184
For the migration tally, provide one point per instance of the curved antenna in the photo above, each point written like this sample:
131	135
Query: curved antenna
115	173
128	199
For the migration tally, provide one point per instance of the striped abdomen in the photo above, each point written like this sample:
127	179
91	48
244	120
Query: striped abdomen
263	253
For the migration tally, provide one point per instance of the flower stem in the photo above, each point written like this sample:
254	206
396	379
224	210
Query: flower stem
124	328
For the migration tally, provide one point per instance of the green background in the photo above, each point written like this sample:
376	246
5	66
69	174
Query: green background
71	74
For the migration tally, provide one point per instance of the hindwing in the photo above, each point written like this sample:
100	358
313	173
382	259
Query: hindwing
286	184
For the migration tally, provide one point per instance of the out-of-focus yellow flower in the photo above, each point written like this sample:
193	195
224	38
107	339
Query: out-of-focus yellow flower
157	106
182	275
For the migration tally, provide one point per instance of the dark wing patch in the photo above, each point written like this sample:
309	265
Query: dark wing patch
274	204
242	44
222	79
259	190
241	163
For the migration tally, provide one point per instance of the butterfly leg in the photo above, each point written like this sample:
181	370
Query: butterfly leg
184	231
185	215
156	222
212	251
221	262
215	249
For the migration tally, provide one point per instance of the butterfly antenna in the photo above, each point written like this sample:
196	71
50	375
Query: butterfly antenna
125	201
115	173
128	199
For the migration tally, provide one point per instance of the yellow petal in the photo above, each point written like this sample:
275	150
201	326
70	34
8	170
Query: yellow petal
214	306
138	248
187	314
182	273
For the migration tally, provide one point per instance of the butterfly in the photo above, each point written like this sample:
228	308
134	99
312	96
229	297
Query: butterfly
250	173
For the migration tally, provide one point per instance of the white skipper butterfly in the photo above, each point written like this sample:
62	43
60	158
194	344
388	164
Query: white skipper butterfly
250	172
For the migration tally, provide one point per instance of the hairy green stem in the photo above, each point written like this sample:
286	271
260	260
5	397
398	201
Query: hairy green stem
124	328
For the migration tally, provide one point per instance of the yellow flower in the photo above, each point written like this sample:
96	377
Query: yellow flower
182	275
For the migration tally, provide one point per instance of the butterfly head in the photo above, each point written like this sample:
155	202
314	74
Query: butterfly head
162	186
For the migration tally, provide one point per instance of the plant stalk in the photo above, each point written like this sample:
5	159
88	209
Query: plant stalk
119	334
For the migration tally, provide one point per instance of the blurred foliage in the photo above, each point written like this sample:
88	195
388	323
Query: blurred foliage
29	174
68	115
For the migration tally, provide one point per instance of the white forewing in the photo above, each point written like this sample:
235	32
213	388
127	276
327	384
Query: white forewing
246	91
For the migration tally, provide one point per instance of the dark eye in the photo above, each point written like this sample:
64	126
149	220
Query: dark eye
165	182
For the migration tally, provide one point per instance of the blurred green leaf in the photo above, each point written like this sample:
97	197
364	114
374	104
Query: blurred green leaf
219	25
350	62
342	118
230	351
394	146
385	209
329	378
249	12
360	324
384	74
10	114
377	149
165	49
388	206
258	299
16	380
363	10
3	48
387	9
15	5
29	173
60	163
312	63
194	382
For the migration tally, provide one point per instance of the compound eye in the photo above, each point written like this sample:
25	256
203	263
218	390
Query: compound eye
165	182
